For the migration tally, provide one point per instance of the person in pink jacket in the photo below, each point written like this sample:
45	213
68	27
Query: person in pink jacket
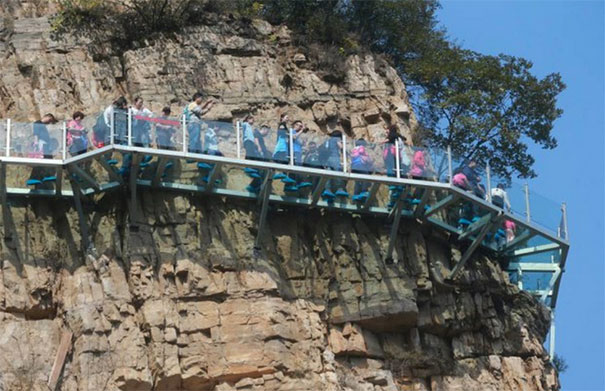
77	138
418	169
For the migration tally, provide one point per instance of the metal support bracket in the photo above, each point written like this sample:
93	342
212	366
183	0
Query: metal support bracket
494	219
84	233
59	181
74	169
519	239
476	226
134	173
396	212
370	200
110	170
419	211
213	176
161	167
318	190
264	199
444	203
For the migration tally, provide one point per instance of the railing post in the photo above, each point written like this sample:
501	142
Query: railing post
291	146
344	152
450	170
238	142
8	137
527	210
397	159
112	131
129	128
488	173
564	210
64	143
184	130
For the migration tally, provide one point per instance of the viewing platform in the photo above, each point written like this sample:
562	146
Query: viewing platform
134	155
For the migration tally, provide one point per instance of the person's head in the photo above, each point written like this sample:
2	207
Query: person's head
392	133
297	125
138	103
249	119
48	118
312	145
283	117
197	97
360	143
472	163
121	103
264	129
78	116
500	186
166	111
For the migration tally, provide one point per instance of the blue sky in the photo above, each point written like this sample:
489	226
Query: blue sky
565	37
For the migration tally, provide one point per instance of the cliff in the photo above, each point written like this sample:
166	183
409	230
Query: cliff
184	303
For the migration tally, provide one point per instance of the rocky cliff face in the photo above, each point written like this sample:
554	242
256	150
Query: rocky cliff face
184	304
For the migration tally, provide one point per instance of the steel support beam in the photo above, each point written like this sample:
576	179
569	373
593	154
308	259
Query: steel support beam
444	203
535	250
370	200
533	267
74	169
474	227
396	212
84	233
134	173
551	284
59	181
318	190
113	175
519	239
212	177
419	211
264	197
159	171
469	251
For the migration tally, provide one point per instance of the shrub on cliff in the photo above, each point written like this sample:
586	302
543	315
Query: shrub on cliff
122	24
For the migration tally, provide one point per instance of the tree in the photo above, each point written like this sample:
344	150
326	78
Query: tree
559	363
486	107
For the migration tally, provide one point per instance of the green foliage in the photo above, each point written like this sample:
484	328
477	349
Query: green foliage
124	24
486	107
559	363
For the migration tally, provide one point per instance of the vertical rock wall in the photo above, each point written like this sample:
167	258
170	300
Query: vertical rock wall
183	303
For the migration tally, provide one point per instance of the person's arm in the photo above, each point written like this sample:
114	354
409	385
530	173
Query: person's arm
207	106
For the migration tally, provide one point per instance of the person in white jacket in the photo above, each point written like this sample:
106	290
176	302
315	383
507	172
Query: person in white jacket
500	198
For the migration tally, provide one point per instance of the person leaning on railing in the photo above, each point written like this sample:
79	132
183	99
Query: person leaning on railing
77	136
193	113
42	146
500	197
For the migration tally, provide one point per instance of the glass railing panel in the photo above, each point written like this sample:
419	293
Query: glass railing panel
514	192
120	127
36	140
439	164
32	178
544	212
162	132
217	138
3	129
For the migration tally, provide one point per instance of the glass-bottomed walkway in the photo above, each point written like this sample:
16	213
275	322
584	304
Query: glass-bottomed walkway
143	152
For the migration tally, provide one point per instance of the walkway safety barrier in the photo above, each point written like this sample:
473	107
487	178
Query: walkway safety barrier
396	180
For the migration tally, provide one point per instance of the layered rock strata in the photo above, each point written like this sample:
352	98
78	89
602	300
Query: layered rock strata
184	303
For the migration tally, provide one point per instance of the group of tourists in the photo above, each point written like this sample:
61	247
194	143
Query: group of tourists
289	147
